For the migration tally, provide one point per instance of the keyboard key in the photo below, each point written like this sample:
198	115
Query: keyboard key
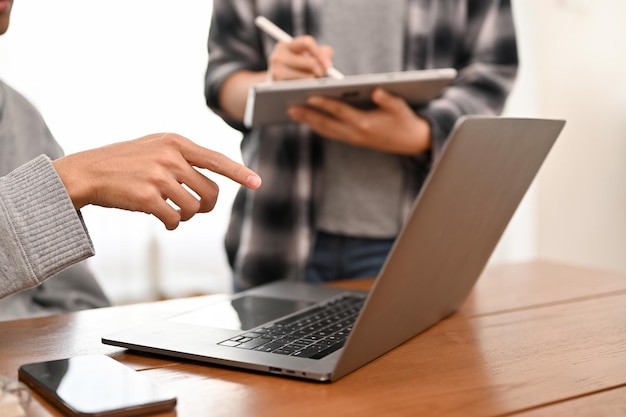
327	351
230	343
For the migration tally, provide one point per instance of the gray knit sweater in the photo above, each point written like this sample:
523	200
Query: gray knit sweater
41	234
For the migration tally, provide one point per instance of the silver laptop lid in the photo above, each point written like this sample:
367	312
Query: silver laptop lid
464	207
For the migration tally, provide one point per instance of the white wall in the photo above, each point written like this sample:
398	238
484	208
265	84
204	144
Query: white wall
107	71
581	58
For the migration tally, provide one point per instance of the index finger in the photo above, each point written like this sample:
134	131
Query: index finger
308	44
219	163
337	108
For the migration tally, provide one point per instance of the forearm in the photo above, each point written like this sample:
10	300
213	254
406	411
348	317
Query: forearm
234	92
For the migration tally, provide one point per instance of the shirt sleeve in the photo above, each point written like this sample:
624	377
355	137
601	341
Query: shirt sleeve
234	44
486	59
40	231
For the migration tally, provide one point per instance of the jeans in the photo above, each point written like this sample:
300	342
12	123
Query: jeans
342	257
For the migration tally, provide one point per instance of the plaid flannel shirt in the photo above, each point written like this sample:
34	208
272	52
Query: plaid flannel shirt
270	233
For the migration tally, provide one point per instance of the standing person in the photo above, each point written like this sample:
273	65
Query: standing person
338	188
41	228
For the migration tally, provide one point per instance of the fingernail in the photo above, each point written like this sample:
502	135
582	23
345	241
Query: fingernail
253	181
314	100
294	113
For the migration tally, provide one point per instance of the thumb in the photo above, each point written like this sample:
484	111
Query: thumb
387	101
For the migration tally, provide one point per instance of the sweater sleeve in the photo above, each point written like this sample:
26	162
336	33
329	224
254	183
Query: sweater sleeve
40	231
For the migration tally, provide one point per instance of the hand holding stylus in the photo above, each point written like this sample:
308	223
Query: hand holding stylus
306	45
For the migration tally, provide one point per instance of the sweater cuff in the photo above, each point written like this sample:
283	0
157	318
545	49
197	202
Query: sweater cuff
50	231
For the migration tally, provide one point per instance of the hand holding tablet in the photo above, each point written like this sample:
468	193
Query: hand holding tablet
267	103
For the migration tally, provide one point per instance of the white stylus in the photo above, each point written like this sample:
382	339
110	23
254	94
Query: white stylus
277	33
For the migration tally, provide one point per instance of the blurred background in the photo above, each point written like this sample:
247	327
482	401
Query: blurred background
102	72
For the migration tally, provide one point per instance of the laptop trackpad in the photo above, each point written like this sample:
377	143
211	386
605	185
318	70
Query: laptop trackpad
243	313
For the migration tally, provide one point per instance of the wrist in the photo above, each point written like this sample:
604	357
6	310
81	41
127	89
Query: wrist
422	139
75	186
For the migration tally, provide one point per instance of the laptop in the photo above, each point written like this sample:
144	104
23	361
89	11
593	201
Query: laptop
267	103
305	330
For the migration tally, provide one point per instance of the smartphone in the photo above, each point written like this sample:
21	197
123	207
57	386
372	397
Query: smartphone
96	385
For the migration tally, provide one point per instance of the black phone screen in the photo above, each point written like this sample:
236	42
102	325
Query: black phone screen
95	385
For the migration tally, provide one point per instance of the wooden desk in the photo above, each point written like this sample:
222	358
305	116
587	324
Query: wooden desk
534	339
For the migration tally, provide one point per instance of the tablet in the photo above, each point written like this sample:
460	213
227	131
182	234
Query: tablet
268	102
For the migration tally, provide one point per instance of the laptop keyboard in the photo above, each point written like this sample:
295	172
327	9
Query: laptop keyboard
312	334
